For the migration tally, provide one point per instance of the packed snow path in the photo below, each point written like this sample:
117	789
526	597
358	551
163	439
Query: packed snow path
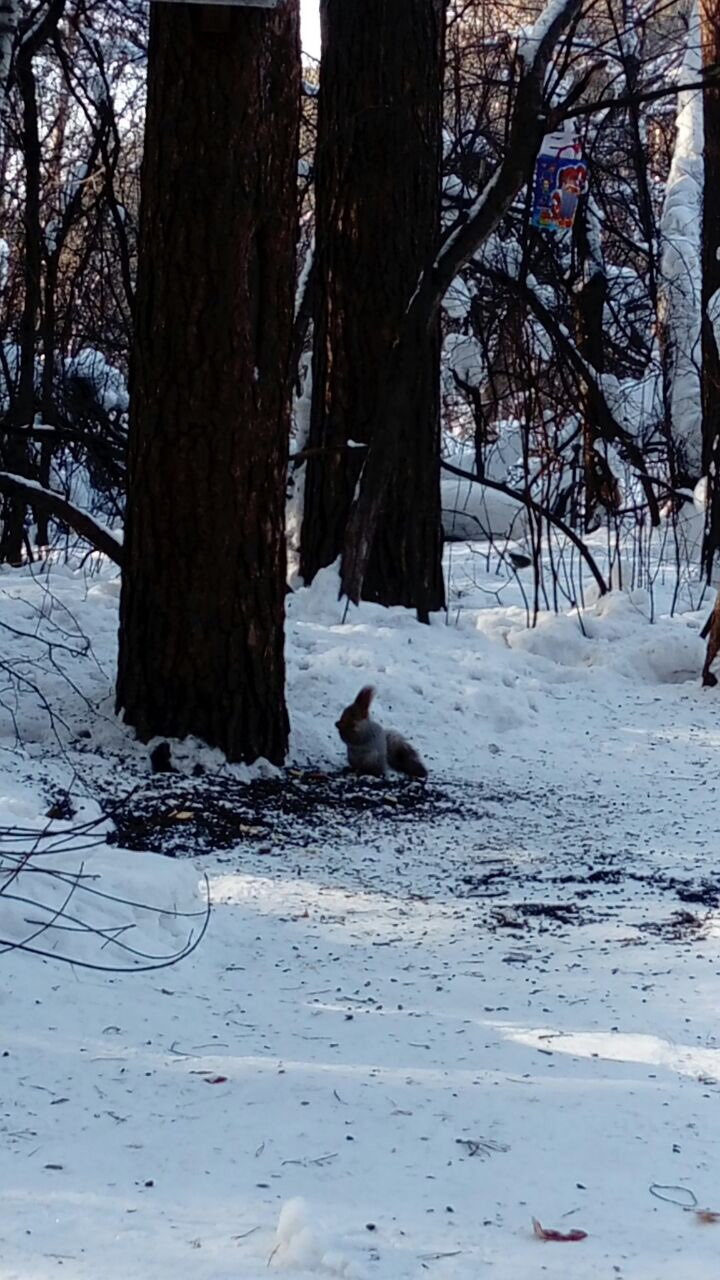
430	1023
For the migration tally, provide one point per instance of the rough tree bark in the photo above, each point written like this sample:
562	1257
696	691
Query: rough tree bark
202	604
378	190
710	27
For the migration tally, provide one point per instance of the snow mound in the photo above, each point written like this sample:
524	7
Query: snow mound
300	1246
616	635
65	894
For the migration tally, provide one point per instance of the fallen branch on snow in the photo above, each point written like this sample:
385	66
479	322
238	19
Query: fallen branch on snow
59	507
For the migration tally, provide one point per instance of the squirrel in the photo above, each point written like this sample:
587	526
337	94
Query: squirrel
372	749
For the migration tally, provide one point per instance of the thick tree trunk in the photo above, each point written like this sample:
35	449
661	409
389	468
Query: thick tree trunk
202	605
378	187
710	20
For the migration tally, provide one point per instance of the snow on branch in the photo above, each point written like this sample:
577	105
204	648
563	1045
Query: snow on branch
530	122
534	38
39	27
58	506
681	234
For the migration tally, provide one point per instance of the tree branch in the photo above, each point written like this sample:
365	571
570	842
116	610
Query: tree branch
603	418
642	95
539	510
59	507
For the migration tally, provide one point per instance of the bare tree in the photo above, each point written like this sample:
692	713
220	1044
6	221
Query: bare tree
531	119
69	176
377	223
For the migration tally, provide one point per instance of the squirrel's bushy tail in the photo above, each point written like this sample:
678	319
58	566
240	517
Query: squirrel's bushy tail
403	757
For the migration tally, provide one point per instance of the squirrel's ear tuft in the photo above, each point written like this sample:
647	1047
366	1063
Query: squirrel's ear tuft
364	698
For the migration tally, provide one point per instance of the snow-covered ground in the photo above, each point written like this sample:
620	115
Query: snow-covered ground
407	1030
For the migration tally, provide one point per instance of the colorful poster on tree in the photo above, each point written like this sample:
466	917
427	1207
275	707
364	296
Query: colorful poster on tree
560	181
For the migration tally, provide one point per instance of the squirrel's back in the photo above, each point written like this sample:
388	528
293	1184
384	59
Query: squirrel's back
372	749
402	756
